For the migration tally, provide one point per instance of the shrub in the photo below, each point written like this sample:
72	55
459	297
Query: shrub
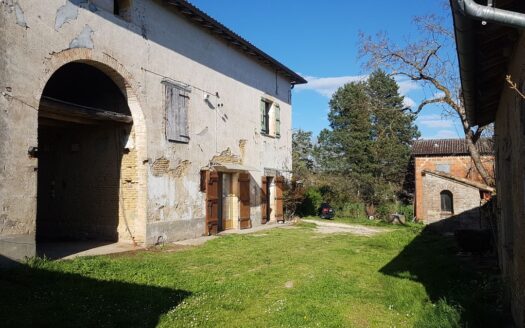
384	210
311	203
407	211
352	210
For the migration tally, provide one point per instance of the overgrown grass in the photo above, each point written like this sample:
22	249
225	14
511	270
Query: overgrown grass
276	278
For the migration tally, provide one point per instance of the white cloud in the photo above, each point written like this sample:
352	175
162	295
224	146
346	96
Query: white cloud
405	86
439	95
434	121
444	134
326	86
409	102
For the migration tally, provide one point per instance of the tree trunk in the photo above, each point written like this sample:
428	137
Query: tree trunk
476	158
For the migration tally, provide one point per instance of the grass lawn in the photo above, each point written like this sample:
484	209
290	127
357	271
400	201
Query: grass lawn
276	278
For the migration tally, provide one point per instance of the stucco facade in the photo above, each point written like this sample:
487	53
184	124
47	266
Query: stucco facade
158	190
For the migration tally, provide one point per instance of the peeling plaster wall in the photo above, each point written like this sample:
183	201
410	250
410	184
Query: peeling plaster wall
155	45
17	131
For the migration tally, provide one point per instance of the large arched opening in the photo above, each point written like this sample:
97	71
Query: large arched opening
87	162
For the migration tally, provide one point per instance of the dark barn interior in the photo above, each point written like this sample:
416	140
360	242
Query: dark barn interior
84	123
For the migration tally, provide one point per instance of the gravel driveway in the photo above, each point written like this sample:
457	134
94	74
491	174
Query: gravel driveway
333	227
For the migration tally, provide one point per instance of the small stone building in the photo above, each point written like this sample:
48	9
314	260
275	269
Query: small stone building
490	53
142	121
447	184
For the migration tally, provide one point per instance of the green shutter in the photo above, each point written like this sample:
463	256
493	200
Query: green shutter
263	116
277	120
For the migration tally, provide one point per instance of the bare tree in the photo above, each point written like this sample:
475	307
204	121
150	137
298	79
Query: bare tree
431	61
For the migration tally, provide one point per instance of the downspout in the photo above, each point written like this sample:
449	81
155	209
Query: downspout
488	13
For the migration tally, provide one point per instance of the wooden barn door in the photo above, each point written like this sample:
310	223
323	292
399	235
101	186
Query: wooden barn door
212	203
264	200
244	201
279	213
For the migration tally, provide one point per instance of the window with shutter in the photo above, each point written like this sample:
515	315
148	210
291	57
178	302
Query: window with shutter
265	116
177	102
277	121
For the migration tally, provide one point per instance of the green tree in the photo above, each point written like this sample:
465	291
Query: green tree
350	128
393	129
302	156
427	61
369	139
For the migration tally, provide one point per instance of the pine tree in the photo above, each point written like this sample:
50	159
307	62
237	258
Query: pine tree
369	139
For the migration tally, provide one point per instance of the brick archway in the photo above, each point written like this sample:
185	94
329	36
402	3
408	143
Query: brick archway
137	176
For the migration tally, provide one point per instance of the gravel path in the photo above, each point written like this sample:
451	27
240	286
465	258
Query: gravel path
333	227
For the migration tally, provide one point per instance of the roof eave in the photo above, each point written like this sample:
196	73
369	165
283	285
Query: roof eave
465	45
204	21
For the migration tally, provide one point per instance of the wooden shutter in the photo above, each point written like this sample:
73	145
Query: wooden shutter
177	102
244	201
263	116
279	214
264	200
212	203
277	120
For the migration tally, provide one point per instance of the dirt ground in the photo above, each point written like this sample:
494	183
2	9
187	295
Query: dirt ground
332	227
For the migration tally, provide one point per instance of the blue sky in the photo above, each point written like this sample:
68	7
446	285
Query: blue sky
319	40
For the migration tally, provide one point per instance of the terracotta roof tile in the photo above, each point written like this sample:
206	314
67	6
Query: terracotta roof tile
448	147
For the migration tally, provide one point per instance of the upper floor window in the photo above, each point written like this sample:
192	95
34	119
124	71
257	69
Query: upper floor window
447	202
270	118
177	103
121	8
265	116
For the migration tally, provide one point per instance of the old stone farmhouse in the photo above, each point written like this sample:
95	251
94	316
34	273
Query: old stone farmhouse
447	184
489	52
143	121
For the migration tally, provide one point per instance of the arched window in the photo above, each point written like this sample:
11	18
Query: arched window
447	202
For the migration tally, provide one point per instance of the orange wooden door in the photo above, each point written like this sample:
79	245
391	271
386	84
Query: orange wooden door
264	200
212	203
244	201
279	213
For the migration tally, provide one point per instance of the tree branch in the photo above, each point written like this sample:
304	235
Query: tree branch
429	56
428	102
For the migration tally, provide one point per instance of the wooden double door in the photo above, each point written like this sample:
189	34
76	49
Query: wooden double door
214	202
272	199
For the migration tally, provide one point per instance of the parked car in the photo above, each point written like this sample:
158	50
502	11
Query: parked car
326	211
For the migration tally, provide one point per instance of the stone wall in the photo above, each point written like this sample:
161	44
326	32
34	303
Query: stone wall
459	166
466	199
